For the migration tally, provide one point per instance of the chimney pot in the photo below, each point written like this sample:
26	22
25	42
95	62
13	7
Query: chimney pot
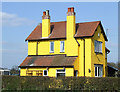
47	12
44	13
69	9
72	9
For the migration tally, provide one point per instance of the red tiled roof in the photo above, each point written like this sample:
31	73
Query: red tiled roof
55	60
58	30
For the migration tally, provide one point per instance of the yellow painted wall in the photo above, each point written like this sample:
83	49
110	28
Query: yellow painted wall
69	72
51	71
98	58
87	57
23	72
44	47
71	47
32	47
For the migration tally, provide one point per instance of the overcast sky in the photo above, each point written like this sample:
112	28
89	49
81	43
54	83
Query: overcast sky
20	19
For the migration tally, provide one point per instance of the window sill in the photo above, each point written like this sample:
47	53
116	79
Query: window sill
98	52
51	52
62	52
45	75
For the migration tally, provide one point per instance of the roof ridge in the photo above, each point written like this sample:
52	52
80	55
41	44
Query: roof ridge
76	23
88	22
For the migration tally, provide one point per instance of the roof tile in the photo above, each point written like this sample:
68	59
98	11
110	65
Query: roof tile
54	60
58	30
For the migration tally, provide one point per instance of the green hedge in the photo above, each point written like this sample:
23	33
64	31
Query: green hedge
68	83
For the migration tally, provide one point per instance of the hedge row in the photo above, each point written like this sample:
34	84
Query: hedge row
68	83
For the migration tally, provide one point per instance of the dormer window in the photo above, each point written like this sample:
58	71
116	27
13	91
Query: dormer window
51	47
98	46
61	46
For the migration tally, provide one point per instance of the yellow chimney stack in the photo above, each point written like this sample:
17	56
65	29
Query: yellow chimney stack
70	23
45	24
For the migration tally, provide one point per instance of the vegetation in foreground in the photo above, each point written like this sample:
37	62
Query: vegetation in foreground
68	83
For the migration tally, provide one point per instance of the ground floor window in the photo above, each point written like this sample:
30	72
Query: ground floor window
98	70
45	73
75	73
29	73
60	73
39	73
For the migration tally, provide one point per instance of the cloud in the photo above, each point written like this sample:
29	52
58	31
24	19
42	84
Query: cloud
12	20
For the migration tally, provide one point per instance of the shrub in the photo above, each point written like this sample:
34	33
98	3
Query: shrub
67	83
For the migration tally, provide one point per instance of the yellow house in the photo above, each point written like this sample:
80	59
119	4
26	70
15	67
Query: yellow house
66	49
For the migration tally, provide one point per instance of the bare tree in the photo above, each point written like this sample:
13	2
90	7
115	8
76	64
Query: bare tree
14	70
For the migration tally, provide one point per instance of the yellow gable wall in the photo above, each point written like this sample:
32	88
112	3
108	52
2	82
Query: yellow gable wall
98	58
91	57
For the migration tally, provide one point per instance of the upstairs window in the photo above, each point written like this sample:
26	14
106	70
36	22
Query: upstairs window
62	46
51	47
98	46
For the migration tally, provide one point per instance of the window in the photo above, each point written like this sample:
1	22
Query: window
98	34
39	73
52	47
98	70
29	73
98	46
45	73
62	46
76	73
60	73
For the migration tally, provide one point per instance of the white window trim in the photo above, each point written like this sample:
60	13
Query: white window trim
43	72
101	70
61	46
60	72
50	47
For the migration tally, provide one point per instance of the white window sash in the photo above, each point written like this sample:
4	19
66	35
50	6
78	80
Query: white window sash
51	46
99	70
62	46
60	72
44	74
